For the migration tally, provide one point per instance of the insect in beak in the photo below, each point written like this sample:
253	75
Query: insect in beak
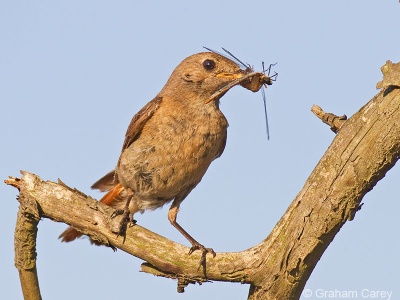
253	81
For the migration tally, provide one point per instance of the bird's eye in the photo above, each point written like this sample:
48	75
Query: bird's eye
209	64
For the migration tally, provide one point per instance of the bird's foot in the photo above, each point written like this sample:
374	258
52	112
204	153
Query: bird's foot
127	218
204	251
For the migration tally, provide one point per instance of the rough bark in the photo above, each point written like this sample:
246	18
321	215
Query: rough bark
365	148
25	247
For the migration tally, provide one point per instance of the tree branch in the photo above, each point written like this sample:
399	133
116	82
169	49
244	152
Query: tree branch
366	147
25	246
63	204
334	121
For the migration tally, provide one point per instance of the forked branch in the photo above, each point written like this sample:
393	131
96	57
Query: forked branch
365	148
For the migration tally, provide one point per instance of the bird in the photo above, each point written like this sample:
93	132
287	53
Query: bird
172	140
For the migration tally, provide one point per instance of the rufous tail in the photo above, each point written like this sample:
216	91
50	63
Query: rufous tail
71	233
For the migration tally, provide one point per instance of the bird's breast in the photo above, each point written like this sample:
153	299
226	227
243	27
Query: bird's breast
172	153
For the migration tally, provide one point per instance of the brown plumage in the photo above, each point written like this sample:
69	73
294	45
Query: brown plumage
172	140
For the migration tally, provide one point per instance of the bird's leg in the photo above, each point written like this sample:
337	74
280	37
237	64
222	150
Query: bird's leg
172	214
127	217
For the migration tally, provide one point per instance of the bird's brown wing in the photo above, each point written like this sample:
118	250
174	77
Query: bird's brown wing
138	121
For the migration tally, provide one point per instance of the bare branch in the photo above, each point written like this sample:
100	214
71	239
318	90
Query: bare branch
63	204
25	246
391	76
334	121
365	148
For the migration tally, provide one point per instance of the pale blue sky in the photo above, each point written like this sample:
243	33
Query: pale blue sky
73	73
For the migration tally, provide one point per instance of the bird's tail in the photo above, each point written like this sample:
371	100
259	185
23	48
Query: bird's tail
110	199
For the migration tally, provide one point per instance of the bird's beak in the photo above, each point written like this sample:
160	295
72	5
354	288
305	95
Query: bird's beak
240	78
230	75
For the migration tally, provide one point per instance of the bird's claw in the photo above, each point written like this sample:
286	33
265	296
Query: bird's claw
126	219
204	252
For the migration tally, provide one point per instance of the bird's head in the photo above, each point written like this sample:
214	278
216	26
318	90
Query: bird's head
201	75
